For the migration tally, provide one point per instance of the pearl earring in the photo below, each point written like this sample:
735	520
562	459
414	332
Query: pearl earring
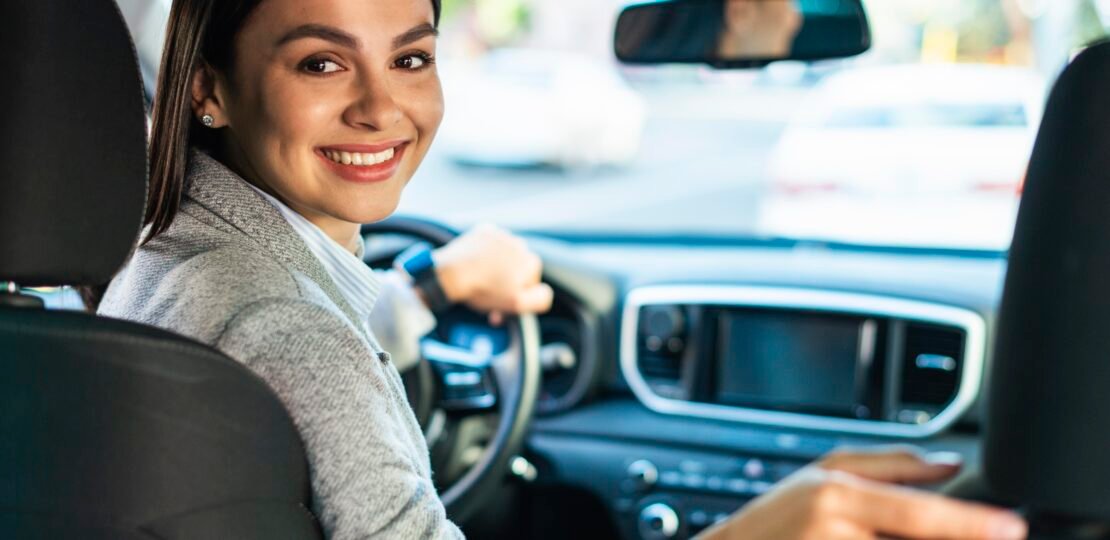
207	120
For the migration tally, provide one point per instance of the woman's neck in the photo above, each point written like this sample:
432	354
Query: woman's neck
345	233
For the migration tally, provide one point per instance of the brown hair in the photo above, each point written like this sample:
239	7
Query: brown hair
199	33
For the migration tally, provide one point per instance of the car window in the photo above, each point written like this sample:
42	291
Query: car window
921	141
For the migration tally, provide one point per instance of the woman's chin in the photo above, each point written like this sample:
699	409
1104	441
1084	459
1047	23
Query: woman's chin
371	214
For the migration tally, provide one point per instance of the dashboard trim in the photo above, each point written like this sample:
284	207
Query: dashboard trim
810	299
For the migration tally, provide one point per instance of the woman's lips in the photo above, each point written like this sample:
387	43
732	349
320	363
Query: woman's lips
363	163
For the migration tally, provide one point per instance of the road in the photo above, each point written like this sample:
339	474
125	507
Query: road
700	167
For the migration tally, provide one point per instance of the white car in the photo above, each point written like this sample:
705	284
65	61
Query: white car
912	129
919	155
524	107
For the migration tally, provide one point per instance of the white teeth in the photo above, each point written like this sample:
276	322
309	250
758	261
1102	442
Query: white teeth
355	158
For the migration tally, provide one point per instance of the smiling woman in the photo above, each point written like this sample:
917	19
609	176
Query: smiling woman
279	127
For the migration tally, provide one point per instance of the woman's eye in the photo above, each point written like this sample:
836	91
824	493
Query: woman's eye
414	62
320	65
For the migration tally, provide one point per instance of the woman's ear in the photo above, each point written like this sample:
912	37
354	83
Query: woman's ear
208	96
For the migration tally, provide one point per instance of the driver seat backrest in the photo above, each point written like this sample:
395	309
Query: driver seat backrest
110	429
1048	417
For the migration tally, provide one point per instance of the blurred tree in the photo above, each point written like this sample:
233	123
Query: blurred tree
982	31
1089	26
450	9
495	22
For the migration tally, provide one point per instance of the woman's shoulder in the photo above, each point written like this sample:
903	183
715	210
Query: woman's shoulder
194	284
296	329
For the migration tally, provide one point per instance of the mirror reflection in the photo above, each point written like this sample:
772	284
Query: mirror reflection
740	33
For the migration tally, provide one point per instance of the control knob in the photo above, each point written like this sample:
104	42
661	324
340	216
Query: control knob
643	474
658	521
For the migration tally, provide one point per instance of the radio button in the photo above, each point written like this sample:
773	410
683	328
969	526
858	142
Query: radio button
670	479
739	486
693	481
643	474
754	469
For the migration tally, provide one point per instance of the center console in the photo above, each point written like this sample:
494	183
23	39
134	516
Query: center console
737	387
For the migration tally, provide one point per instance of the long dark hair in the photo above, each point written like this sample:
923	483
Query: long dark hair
199	33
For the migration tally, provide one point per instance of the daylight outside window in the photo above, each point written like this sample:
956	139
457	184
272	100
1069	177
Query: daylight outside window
922	141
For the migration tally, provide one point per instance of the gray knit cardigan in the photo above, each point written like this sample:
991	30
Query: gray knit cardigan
232	273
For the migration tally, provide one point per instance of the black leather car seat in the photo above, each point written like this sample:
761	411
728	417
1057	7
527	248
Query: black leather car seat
110	429
1047	446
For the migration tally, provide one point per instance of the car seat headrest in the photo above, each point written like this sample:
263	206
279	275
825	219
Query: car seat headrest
73	166
1048	418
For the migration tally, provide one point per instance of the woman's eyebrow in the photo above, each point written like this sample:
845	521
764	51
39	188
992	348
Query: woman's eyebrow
414	34
324	32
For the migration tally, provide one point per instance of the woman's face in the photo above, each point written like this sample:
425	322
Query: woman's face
331	104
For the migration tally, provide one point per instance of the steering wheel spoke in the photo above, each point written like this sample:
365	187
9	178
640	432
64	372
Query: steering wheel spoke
466	377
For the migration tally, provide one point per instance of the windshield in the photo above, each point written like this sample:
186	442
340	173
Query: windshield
922	141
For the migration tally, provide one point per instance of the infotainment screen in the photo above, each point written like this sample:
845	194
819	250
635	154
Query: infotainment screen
789	361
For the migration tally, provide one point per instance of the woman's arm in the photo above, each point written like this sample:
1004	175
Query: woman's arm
399	319
367	459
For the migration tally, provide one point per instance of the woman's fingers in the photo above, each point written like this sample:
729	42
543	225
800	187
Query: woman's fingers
819	504
895	465
536	298
907	513
848	495
494	271
532	299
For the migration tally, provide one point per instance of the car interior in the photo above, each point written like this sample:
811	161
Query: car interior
676	378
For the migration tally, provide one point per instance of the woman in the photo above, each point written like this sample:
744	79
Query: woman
281	125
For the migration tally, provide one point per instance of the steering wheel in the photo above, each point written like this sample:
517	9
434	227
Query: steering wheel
469	368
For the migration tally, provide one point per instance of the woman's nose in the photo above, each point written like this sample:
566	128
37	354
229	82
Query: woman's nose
374	107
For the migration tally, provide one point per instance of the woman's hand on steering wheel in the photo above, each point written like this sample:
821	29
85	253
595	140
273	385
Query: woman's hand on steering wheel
492	271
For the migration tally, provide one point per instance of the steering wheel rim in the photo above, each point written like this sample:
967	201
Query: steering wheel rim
517	372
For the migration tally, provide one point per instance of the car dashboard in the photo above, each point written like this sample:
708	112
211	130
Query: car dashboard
638	437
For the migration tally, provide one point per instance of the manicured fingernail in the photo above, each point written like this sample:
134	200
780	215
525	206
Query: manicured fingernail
947	459
1009	527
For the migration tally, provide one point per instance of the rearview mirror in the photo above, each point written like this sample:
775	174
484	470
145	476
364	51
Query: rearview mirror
740	33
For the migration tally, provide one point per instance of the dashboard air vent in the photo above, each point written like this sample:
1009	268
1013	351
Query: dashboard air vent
662	336
661	367
932	364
